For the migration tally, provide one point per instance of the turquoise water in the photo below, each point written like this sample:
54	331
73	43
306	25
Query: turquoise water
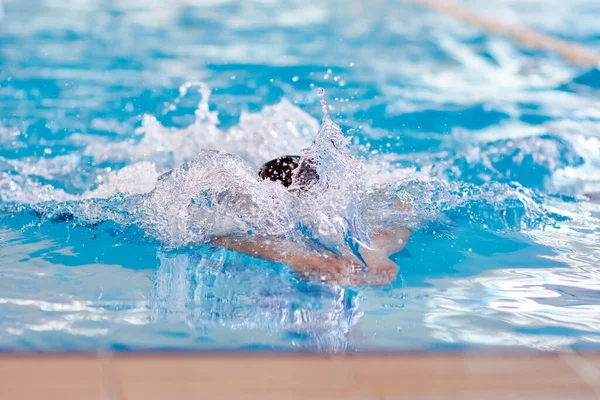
496	146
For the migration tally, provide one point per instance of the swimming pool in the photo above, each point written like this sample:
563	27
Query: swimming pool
498	147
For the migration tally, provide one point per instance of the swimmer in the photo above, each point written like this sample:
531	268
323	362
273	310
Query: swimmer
375	268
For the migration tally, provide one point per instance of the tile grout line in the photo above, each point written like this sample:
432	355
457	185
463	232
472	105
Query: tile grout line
584	369
572	52
111	383
354	377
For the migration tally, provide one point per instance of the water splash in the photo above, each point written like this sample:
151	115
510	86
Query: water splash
333	200
278	129
215	193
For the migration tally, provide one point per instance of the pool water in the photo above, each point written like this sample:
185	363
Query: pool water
496	146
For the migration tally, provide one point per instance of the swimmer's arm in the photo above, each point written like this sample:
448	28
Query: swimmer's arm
296	256
348	269
261	247
306	262
390	241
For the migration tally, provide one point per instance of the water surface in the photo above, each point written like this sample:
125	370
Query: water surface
497	146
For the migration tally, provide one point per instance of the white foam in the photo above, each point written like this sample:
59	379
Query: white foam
215	194
212	187
20	189
136	178
276	130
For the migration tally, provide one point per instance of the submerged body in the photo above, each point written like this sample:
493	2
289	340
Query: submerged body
370	264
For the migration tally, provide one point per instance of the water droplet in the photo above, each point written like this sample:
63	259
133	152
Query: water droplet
295	79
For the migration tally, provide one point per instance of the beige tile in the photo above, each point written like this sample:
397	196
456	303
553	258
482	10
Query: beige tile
408	376
236	377
51	378
173	377
476	377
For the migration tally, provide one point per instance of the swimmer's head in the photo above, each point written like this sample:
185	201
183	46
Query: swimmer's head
287	169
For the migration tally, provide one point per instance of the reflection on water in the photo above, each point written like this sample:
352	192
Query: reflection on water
219	290
536	308
541	308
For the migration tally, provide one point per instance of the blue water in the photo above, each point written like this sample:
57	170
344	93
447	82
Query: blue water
497	147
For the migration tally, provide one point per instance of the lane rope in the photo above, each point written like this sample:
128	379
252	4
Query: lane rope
572	52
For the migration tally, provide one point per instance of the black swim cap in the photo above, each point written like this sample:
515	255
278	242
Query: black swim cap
281	170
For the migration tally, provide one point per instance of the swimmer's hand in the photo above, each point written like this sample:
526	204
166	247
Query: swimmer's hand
324	265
